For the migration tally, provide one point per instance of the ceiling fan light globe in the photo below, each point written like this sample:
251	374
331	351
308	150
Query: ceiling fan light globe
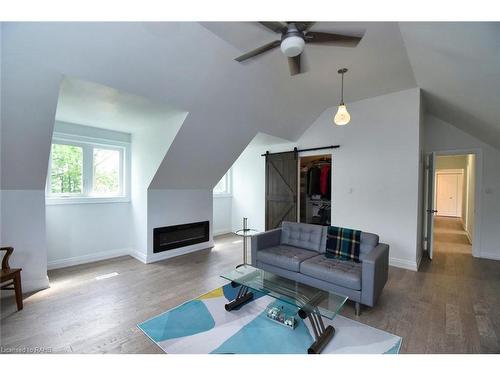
292	46
342	117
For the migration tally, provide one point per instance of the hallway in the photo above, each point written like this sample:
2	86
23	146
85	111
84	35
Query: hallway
450	237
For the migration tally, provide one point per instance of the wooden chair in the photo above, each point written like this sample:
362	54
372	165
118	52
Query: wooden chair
12	276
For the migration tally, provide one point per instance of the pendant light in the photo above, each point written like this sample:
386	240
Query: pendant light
342	117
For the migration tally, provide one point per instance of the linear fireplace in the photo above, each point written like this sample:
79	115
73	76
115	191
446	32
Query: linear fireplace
175	236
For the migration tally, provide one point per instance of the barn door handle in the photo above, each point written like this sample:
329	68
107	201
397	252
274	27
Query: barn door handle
432	211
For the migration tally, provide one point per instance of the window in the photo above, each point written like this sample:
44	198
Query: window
106	171
66	171
87	170
223	187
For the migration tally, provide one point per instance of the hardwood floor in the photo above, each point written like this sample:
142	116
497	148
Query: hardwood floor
450	236
450	306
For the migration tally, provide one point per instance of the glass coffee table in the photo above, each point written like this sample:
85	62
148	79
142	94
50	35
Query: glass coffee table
312	303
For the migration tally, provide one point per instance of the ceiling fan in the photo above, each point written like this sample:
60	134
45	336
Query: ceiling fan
294	36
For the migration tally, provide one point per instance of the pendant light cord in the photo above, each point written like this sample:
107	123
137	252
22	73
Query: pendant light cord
342	91
342	71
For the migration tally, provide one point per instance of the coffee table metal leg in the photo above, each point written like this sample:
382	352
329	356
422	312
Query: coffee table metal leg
322	334
243	296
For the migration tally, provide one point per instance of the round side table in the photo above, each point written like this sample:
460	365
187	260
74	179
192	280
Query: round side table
245	232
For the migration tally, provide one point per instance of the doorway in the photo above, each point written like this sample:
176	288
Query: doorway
449	192
450	224
298	188
315	189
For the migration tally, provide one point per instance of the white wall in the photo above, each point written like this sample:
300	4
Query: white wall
442	136
80	233
26	129
149	146
23	227
471	196
376	169
222	215
172	207
376	172
249	181
421	178
249	189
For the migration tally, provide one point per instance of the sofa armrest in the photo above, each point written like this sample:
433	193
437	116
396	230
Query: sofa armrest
263	241
374	273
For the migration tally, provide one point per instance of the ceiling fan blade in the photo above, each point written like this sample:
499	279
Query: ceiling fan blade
294	65
258	51
303	26
277	27
332	39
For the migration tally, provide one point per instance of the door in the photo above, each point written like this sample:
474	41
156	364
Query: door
281	188
429	203
449	187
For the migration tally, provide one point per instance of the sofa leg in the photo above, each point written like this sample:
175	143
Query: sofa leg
357	308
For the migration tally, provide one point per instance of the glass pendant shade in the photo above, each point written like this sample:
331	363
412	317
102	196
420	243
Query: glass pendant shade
342	117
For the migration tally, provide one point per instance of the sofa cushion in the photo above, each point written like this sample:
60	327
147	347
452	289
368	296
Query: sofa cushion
284	256
305	236
339	272
368	242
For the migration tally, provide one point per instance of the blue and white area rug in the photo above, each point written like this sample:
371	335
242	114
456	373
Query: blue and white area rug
203	326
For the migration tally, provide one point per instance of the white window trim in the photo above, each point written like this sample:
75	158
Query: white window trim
229	183
87	143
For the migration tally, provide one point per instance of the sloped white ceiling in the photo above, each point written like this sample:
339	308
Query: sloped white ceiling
377	66
191	67
457	66
177	64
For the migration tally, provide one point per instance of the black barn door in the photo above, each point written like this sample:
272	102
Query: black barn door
281	188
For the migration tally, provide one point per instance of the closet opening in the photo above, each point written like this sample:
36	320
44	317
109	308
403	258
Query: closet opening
315	189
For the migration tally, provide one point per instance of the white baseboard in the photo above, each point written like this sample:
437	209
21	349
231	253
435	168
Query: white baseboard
468	236
151	258
419	260
94	257
221	232
34	285
490	255
141	257
403	263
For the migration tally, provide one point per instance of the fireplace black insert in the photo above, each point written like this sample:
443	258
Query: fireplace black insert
175	236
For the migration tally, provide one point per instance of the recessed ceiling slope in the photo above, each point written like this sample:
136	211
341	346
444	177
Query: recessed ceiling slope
92	104
457	65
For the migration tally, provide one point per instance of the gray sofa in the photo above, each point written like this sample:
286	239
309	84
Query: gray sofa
297	251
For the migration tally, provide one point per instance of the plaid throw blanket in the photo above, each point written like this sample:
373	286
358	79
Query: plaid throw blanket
343	243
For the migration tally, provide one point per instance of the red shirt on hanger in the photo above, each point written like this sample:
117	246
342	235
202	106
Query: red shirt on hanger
323	179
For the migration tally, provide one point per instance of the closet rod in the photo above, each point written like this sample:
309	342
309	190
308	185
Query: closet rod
303	150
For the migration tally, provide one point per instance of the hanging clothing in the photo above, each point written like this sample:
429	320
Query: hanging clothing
313	181
325	180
